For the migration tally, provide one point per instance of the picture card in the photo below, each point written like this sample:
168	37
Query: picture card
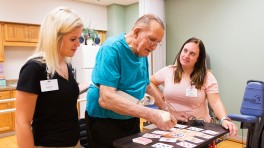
148	135
181	126
195	129
142	140
159	132
162	145
210	132
203	135
194	140
164	139
186	144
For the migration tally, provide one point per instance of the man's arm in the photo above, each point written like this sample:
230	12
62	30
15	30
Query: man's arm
110	100
153	90
157	95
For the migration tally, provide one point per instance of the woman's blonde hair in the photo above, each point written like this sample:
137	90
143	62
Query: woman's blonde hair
57	23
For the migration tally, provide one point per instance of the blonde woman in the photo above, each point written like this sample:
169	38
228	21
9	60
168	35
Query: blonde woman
46	113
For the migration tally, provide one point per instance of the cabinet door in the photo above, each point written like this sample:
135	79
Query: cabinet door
13	95
16	33
7	119
33	33
1	44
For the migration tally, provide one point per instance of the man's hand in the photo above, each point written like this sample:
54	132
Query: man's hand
181	116
157	118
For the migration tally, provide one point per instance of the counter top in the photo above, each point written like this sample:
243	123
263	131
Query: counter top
7	88
10	85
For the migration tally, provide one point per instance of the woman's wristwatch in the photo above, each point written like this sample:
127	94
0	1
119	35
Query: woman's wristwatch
225	118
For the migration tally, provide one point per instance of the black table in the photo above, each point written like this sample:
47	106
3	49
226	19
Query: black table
127	142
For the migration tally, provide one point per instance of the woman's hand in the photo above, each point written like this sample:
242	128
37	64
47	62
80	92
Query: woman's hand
231	126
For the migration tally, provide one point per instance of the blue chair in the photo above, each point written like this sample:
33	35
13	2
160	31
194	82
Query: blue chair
252	110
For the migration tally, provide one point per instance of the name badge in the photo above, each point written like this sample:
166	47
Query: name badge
191	92
49	85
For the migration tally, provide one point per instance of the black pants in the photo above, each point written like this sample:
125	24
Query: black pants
101	132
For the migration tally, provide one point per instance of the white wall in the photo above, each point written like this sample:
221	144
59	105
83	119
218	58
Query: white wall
15	58
33	12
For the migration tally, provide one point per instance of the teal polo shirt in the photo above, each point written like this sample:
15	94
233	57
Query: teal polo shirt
118	67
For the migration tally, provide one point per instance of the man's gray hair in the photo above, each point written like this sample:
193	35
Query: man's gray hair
146	19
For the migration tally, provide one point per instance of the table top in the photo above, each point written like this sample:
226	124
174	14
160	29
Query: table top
127	142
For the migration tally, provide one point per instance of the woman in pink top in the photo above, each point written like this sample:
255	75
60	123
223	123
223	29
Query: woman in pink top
189	86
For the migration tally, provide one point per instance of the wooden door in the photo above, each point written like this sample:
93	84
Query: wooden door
7	119
16	33
33	33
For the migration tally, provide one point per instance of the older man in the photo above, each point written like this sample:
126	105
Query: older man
122	64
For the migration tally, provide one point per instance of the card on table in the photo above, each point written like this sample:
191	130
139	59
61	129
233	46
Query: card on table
147	135
142	140
195	129
180	126
210	132
162	145
159	132
186	144
164	139
194	140
203	135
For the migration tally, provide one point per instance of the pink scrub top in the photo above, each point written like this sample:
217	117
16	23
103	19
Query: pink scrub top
175	94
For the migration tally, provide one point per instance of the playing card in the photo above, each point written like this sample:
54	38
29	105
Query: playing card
162	145
159	132
186	144
180	126
178	135
147	135
210	132
194	140
142	140
164	139
207	136
195	129
203	135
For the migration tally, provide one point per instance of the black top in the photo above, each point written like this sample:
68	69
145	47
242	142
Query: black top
55	120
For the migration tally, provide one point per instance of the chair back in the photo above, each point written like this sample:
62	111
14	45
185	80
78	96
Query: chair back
253	100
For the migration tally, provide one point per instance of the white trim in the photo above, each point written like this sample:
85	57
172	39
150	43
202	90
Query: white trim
8	100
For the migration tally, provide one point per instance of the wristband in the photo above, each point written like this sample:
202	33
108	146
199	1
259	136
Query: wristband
225	118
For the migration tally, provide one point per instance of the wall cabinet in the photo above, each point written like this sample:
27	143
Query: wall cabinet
20	34
7	123
16	34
